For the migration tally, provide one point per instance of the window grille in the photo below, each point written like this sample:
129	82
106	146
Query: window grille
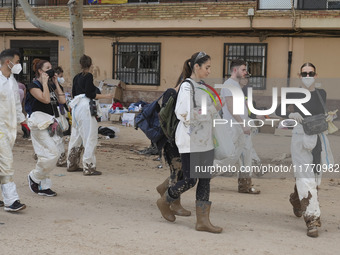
137	63
256	57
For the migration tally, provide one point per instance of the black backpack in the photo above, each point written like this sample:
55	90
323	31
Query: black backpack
30	100
148	121
158	121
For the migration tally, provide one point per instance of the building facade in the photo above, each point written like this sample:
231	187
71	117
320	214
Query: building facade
145	43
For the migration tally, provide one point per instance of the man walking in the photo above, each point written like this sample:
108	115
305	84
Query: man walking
10	115
242	130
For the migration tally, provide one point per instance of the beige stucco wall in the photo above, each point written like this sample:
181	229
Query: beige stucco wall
323	52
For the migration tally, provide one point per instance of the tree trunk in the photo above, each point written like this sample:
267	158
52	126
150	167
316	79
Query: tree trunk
77	38
74	34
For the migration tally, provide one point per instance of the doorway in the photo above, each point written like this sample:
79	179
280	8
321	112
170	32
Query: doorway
31	49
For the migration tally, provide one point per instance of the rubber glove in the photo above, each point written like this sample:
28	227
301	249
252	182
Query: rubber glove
296	116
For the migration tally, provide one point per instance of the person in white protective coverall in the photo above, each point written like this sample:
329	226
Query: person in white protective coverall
240	133
10	115
62	117
84	132
255	160
44	95
308	150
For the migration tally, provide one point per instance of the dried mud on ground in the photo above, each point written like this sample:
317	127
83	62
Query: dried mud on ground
116	213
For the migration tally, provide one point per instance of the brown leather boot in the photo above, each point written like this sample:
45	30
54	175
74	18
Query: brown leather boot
163	205
202	214
178	209
295	201
161	188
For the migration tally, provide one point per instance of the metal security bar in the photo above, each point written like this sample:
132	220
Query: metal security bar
137	63
255	54
299	4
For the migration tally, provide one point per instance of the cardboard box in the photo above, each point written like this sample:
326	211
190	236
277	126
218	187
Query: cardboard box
116	117
115	83
118	93
128	119
267	129
111	86
283	132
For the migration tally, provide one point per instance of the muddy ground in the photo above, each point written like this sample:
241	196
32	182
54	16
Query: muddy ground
116	213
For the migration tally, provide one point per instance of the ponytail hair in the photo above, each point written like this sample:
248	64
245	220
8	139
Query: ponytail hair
197	58
37	65
186	72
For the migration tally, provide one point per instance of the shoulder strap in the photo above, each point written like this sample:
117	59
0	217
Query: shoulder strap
321	100
37	83
213	90
193	90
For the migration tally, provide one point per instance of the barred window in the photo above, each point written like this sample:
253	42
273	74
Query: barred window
137	63
299	4
255	54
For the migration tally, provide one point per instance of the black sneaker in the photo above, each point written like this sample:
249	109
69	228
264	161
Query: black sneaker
16	206
47	192
33	185
2	203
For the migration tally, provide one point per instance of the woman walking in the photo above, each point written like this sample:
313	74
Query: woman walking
173	159
194	141
44	96
84	132
308	150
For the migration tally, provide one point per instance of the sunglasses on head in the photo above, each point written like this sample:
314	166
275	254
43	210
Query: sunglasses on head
311	74
199	56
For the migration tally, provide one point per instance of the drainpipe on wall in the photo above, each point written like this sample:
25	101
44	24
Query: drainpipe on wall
251	13
14	3
290	57
4	41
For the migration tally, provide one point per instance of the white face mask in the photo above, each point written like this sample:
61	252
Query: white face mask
16	69
308	81
61	80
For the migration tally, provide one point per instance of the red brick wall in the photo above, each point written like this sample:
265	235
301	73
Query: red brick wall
166	10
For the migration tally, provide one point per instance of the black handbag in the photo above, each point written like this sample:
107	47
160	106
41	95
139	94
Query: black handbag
93	108
316	124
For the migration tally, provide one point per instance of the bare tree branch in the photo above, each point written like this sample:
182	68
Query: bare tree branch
74	34
39	23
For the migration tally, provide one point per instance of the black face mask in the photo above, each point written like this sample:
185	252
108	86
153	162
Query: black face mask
50	73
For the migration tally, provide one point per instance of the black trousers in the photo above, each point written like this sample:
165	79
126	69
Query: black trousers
173	158
189	161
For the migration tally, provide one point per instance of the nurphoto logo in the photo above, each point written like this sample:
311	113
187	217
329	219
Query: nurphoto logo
239	105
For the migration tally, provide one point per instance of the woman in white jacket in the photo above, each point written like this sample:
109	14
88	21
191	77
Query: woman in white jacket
194	142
